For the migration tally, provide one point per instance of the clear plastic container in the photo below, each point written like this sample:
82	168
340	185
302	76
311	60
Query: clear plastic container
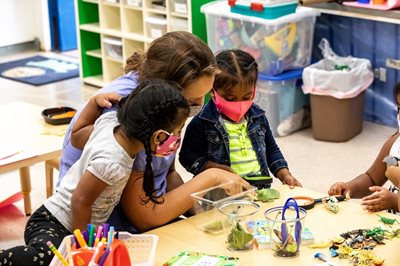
239	212
207	217
179	24
156	26
277	45
285	226
141	248
113	47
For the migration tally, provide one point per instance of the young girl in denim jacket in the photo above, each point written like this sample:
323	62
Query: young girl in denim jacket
231	132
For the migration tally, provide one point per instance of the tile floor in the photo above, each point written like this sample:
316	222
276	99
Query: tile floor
317	164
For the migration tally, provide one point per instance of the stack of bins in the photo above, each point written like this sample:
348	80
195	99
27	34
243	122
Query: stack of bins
278	45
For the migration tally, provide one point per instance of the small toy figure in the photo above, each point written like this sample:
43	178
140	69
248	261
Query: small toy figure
332	204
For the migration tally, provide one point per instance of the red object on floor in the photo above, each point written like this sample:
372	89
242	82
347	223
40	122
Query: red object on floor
11	200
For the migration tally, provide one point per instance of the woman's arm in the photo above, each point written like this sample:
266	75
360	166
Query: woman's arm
86	192
176	202
83	126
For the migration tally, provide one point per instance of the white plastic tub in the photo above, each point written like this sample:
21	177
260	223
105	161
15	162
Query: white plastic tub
156	26
141	248
113	47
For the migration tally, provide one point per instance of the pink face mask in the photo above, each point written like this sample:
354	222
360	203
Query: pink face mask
233	110
169	146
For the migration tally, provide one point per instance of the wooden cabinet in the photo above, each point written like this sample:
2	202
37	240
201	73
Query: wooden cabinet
109	31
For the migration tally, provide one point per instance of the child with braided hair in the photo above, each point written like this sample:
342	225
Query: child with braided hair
150	118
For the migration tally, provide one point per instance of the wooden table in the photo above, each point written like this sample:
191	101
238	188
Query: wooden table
24	130
325	225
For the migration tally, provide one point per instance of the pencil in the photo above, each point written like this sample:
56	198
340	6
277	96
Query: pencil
57	253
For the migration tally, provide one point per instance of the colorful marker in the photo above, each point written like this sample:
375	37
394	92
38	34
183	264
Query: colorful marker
80	238
98	235
104	257
110	236
57	253
91	235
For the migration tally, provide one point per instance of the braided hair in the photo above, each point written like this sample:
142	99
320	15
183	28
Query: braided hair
155	104
237	67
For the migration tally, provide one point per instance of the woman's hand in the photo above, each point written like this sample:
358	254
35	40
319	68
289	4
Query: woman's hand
380	199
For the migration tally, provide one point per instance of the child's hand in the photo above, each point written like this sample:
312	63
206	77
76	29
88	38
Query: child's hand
381	199
393	174
339	188
106	100
287	179
291	181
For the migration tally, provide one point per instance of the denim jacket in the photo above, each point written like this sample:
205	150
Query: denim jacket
207	140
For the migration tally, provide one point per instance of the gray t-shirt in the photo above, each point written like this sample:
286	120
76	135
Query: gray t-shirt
107	160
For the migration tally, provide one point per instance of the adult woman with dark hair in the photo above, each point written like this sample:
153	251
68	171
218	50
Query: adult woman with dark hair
185	59
368	185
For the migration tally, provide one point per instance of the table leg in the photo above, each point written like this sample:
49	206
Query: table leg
25	179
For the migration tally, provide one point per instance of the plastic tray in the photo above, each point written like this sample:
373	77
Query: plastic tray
142	248
49	113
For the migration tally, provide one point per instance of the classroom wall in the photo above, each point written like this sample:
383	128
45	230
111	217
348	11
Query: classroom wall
23	21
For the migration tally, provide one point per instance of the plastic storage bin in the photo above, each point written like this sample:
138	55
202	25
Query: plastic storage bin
268	9
141	248
178	24
207	217
277	45
136	3
180	6
284	103
156	26
336	119
113	47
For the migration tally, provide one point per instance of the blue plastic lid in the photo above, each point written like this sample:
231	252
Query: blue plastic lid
287	75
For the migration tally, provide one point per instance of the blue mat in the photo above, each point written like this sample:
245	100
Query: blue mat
39	70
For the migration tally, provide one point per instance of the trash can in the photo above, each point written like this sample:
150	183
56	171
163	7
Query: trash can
337	86
336	119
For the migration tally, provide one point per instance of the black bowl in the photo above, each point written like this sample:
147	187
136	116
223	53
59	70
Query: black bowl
50	112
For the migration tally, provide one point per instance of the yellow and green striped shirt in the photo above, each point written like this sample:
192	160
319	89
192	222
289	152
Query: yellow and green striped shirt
242	156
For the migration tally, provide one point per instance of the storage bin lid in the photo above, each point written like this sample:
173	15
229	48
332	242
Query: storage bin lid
222	9
287	75
156	20
265	3
112	41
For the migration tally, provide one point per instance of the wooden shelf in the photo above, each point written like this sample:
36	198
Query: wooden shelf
94	53
388	16
95	80
138	8
157	11
179	15
94	27
118	20
114	59
91	1
110	4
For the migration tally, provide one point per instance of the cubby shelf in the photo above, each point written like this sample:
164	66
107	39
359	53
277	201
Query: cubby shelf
125	25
